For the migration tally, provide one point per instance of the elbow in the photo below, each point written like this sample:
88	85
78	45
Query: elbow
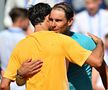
95	61
98	63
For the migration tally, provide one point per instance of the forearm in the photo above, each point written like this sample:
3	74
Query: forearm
27	69
5	88
99	51
5	84
97	55
103	70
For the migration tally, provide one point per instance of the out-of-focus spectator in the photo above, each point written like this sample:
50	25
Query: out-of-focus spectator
106	2
10	37
93	19
78	8
23	4
9	5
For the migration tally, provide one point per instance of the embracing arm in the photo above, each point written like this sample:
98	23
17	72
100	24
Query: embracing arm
97	55
27	69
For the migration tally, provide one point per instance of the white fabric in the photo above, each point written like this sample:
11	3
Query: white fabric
94	24
99	82
9	5
14	86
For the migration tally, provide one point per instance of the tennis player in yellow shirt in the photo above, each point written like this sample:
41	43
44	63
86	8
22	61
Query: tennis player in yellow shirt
52	48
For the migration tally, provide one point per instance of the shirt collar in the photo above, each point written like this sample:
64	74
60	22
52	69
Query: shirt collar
15	29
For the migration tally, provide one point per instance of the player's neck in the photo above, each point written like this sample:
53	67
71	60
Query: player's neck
40	27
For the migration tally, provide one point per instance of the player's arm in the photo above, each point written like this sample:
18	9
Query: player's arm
5	84
103	71
78	55
27	69
97	55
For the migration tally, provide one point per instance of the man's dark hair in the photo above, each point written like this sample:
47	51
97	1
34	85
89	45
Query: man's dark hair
16	13
38	12
67	8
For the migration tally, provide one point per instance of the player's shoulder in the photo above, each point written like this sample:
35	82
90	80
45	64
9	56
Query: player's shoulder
81	36
85	41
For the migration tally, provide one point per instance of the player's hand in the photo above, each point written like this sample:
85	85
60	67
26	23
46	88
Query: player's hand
95	38
29	68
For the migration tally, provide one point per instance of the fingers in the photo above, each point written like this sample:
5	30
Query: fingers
27	61
29	66
34	63
35	71
91	35
95	38
36	67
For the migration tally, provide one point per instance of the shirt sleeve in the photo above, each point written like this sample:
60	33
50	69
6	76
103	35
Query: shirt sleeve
74	52
85	41
21	53
15	60
12	67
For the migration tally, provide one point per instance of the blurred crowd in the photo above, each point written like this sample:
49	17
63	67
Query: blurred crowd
91	16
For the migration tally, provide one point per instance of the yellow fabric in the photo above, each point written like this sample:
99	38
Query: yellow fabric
51	48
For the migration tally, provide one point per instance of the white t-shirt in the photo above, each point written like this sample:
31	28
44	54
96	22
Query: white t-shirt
97	24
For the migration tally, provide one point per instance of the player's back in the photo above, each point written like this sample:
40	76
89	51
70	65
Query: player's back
45	45
51	48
